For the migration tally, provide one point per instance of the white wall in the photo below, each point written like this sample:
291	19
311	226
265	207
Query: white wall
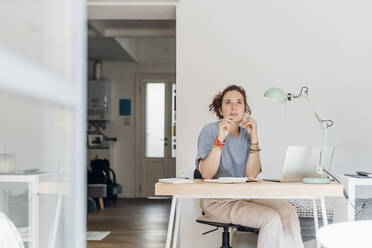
325	45
122	154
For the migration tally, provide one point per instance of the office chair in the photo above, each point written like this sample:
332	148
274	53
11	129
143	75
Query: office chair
217	224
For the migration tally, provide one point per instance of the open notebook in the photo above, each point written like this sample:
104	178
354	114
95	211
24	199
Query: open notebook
231	180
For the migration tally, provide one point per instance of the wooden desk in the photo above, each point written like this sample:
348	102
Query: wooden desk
249	190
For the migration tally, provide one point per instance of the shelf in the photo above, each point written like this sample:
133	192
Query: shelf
98	148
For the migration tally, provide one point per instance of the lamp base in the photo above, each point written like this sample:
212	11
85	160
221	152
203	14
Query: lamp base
314	180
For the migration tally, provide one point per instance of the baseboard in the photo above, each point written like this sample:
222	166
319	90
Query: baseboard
127	195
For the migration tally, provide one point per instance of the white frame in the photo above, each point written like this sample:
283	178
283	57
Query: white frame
140	125
35	81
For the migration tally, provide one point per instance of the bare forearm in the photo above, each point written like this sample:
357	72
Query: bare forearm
209	166
253	165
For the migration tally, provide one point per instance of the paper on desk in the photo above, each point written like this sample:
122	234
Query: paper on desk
175	180
231	180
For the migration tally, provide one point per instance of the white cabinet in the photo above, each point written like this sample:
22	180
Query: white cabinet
345	210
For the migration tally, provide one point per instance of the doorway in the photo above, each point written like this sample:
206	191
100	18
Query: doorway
156	130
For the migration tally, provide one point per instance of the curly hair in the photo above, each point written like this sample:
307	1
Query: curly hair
216	104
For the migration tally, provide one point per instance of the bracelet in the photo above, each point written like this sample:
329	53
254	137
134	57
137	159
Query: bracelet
254	150
254	143
254	147
217	148
218	143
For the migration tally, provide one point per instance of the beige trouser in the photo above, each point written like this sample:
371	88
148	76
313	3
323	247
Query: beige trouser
277	219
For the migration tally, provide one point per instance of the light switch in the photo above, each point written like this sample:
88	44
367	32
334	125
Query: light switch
127	121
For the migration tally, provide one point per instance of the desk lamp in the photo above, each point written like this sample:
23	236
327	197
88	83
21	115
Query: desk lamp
278	95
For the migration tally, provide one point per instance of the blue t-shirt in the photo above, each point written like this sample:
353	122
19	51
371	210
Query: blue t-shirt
234	154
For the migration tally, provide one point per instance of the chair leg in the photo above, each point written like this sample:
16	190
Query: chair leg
226	238
101	205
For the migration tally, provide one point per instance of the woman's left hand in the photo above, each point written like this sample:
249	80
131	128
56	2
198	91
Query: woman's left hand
251	125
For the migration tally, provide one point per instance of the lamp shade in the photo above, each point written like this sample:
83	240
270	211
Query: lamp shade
276	95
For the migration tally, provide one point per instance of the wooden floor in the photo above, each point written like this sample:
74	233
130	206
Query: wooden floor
133	223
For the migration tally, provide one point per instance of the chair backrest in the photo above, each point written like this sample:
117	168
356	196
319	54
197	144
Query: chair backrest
103	165
197	174
100	164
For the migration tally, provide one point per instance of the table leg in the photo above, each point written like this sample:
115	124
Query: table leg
324	211
52	239
170	223
316	223
33	218
351	193
176	227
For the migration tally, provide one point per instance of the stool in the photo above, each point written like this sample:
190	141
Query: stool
98	191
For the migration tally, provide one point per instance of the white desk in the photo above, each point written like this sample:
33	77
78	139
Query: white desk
253	190
33	202
60	188
350	184
36	187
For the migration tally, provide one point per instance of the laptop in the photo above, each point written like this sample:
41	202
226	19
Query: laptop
302	161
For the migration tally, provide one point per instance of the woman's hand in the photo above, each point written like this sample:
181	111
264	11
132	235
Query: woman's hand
251	125
224	128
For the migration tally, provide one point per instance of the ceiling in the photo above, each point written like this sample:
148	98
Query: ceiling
102	48
109	20
128	10
102	34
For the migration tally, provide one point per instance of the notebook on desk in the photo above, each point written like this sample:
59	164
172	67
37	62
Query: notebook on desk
302	161
231	180
175	180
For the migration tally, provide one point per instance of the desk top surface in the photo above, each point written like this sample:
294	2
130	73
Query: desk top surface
260	189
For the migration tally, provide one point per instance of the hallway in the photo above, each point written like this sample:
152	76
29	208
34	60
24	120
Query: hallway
134	223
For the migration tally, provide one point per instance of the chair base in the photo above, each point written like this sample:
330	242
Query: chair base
225	234
226	238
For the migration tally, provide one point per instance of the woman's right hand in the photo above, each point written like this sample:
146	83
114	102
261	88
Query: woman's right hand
224	129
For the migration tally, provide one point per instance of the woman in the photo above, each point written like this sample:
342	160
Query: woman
230	147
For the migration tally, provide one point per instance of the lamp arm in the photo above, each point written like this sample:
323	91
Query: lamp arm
324	125
322	155
320	120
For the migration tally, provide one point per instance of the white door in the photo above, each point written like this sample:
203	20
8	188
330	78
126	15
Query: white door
157	130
